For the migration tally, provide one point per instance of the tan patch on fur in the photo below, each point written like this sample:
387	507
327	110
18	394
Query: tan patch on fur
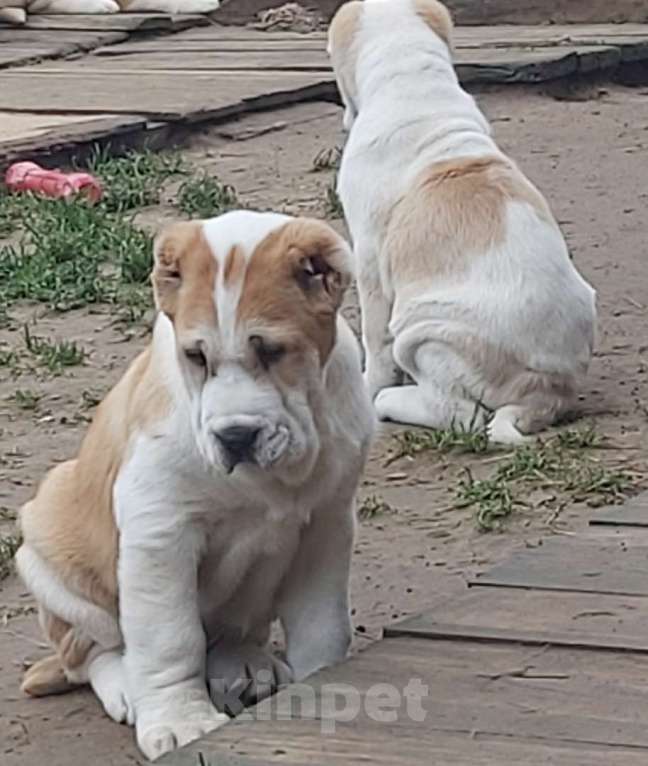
234	266
341	37
437	17
184	275
70	521
295	281
453	211
46	677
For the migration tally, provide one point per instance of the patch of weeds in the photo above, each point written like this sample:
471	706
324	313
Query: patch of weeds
9	544
333	205
72	254
563	464
471	439
8	358
327	159
579	438
204	196
55	355
136	179
90	399
9	213
7	514
134	301
373	506
26	399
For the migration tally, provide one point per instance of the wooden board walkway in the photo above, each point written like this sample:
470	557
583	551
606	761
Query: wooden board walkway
525	669
119	69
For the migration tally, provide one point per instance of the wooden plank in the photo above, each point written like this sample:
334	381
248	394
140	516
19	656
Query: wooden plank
217	32
301	743
69	139
25	126
634	513
585	620
111	22
513	65
548	11
306	61
41	37
565	564
476	693
177	45
537	35
178	95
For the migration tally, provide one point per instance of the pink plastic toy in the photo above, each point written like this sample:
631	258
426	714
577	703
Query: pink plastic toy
28	176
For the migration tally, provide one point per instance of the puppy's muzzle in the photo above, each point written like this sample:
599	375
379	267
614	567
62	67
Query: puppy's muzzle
237	444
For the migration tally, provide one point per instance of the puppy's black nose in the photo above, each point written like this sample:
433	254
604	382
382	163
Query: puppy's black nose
237	443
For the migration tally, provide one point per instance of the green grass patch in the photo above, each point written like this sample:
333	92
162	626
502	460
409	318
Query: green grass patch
136	179
204	196
55	355
372	507
26	399
70	254
564	465
332	201
9	544
456	439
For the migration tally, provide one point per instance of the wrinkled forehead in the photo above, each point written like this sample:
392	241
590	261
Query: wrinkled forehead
235	241
248	273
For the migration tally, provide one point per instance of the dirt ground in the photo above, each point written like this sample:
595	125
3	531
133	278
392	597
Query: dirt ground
589	159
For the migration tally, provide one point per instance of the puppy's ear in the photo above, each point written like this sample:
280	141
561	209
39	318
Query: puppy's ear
322	265
169	251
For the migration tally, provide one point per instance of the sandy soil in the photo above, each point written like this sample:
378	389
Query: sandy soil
587	156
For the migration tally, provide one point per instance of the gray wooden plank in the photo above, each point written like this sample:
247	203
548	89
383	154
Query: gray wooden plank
537	35
68	139
559	618
633	513
567	564
203	61
61	38
178	95
112	22
301	743
176	45
555	698
548	11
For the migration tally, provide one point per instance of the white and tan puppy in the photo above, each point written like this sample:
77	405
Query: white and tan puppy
214	491
16	11
464	277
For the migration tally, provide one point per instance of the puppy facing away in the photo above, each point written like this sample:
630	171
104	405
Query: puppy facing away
16	11
214	491
464	278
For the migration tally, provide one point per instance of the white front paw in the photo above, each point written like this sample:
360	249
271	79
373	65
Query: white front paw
117	706
160	732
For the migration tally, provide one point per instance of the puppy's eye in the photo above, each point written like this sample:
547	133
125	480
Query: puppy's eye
268	353
196	357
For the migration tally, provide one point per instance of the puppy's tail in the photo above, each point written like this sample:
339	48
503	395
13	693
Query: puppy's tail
45	677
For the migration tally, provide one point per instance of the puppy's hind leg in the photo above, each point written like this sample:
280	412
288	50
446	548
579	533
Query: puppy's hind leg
381	370
426	406
513	423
